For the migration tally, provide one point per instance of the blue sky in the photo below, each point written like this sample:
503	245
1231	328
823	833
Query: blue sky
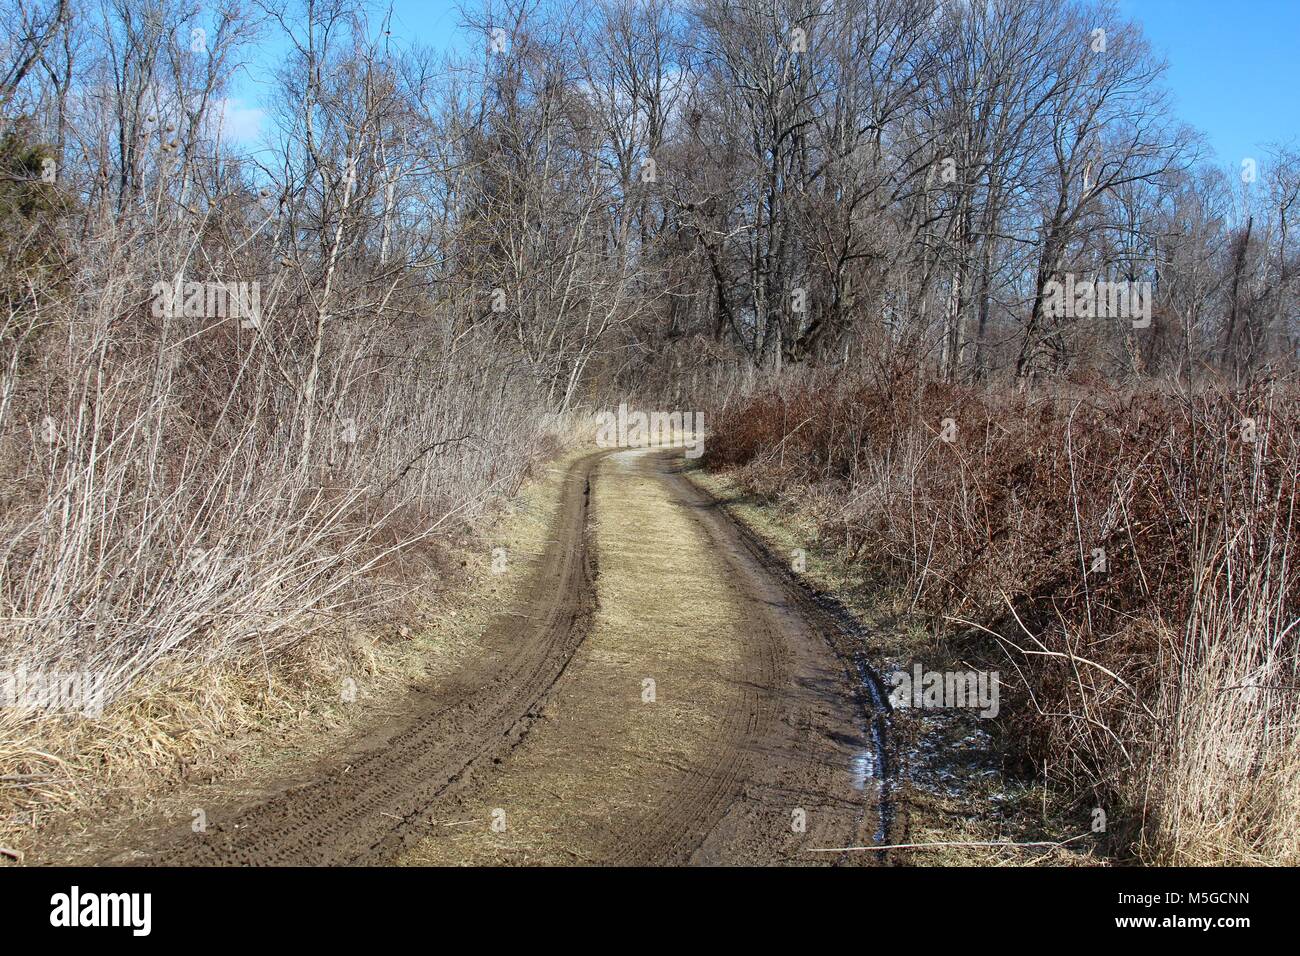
433	21
1234	66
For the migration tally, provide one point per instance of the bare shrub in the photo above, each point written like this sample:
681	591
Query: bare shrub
1130	550
169	508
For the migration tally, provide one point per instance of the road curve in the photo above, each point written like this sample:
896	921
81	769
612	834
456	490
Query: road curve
691	702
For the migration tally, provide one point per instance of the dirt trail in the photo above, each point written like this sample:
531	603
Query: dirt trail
691	703
377	801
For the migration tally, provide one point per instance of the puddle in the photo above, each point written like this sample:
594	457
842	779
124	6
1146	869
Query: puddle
951	755
870	763
863	767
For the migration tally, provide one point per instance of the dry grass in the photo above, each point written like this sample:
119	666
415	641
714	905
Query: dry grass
1159	686
194	728
249	720
206	537
955	799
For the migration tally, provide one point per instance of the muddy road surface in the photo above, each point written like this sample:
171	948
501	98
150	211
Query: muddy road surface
662	691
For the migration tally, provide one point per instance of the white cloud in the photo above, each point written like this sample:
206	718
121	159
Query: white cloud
240	123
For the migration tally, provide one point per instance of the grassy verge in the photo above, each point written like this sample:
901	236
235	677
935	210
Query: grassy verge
1124	554
956	785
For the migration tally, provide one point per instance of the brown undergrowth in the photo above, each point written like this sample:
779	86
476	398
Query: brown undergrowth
1126	554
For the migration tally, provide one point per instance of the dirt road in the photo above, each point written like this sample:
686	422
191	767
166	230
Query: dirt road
663	692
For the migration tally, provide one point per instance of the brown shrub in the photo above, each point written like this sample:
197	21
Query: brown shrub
1130	550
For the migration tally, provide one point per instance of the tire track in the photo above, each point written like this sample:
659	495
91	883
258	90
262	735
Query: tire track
379	801
818	719
785	721
782	718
